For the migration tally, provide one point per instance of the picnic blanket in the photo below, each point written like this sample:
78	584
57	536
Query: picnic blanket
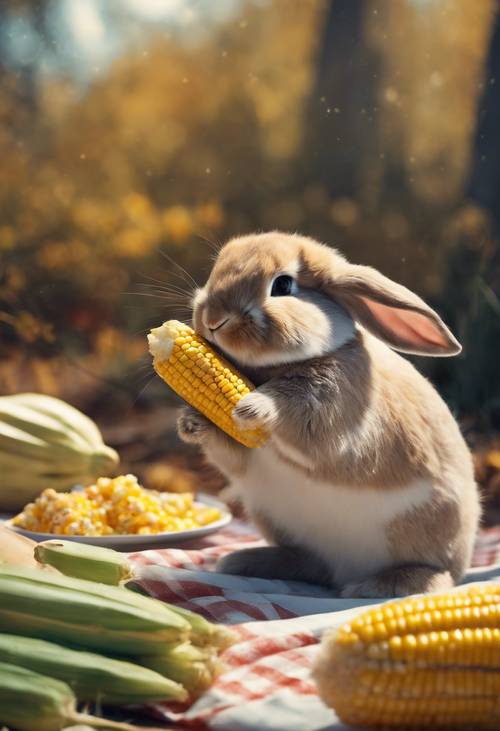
267	684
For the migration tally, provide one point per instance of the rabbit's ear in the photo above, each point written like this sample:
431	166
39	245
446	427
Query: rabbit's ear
388	310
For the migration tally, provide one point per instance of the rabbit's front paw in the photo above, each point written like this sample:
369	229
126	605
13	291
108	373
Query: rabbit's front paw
399	581
255	410
192	426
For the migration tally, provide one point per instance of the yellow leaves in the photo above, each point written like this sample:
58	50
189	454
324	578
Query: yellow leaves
28	327
132	243
493	459
14	280
210	215
178	223
429	90
21	373
140	227
114	350
52	256
45	376
7	238
344	212
61	255
94	217
106	177
109	342
137	206
147	225
487	461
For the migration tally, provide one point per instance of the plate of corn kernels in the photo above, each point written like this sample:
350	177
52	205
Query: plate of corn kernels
120	513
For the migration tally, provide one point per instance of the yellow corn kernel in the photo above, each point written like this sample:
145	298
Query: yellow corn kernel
114	507
435	667
202	377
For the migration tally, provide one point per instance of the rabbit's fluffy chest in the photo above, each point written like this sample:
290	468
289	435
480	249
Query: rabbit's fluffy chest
346	527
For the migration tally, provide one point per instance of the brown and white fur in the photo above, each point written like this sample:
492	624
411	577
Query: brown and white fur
366	484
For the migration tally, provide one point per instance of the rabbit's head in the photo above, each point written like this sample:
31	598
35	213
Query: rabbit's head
277	298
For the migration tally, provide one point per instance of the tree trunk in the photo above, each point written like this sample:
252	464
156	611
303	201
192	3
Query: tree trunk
471	301
484	180
342	133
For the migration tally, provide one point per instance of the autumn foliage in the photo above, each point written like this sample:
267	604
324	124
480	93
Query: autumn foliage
187	138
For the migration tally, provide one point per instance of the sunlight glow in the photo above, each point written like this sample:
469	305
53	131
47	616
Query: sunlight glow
157	9
422	4
86	23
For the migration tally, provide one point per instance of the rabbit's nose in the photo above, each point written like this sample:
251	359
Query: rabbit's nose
214	324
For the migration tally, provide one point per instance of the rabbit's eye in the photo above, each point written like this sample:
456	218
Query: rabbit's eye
282	286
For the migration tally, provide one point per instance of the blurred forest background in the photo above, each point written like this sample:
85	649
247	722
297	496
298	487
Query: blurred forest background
138	133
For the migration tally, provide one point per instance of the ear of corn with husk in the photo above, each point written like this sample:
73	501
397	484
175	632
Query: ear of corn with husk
97	616
92	677
202	377
49	622
46	443
111	567
424	662
204	633
83	561
33	702
194	667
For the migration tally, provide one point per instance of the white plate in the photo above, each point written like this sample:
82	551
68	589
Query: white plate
131	542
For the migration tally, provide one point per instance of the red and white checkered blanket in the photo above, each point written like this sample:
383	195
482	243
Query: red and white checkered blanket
267	684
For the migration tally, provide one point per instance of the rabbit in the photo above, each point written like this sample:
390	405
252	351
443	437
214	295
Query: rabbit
365	484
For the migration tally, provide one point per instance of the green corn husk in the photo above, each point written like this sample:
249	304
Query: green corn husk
33	702
86	614
103	564
92	677
83	561
194	667
204	633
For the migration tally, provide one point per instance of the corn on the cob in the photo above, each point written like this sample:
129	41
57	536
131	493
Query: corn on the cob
86	614
425	662
83	561
92	677
202	377
194	667
33	702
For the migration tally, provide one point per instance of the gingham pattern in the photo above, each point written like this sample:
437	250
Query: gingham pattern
267	684
487	551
